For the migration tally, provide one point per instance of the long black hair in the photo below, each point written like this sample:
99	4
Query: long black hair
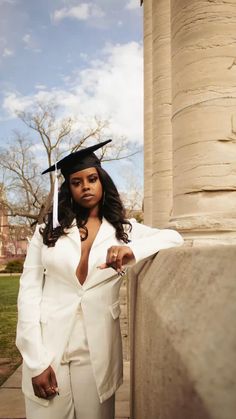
111	207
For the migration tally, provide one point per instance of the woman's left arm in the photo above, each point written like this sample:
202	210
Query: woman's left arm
145	241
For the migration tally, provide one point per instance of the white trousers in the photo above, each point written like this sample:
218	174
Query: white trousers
78	396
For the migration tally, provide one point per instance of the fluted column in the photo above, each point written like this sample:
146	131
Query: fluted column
204	117
157	113
162	130
148	112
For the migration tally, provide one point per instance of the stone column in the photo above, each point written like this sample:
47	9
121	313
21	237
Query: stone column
157	114
162	130
148	112
204	118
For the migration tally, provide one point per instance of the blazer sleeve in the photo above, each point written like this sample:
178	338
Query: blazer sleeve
146	241
28	334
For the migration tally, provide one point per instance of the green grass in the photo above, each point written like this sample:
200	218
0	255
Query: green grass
8	317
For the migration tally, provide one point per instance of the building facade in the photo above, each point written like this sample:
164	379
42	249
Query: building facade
13	237
3	224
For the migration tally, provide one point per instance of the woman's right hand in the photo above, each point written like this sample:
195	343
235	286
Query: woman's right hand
45	384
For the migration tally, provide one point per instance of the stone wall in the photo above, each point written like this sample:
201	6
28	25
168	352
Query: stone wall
183	335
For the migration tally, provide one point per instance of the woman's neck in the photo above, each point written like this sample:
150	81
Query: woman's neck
94	213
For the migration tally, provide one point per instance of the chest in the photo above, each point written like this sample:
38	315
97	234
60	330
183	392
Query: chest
86	245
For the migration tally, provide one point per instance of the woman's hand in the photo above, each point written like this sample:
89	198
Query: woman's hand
117	256
45	384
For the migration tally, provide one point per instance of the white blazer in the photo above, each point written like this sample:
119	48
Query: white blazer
50	294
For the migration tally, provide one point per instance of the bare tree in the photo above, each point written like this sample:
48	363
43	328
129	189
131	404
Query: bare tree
22	183
133	199
27	191
17	239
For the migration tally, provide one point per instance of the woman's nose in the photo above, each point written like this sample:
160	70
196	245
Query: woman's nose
85	186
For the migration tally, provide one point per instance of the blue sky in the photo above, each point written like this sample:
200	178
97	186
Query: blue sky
84	55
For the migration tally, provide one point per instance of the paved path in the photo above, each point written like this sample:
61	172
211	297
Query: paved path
12	401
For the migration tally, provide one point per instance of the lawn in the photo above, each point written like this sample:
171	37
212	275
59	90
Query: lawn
9	355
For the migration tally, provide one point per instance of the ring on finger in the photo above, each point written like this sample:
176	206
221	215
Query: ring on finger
121	273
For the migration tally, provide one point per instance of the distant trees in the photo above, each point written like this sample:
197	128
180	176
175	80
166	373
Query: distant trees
133	198
21	162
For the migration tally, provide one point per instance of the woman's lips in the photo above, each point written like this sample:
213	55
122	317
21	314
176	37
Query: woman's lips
87	197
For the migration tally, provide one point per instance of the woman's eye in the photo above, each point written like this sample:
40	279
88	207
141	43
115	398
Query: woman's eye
93	179
76	183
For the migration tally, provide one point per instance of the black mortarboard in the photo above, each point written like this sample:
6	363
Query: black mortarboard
79	160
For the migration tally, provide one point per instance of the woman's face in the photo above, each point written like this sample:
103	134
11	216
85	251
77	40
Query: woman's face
86	188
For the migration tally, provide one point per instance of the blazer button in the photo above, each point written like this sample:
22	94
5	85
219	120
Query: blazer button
78	310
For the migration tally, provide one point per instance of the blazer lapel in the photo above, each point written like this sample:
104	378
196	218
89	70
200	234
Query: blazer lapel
73	234
106	230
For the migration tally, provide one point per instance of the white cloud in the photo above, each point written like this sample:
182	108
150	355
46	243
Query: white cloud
84	56
40	86
26	38
7	52
30	44
132	4
83	11
110	88
14	102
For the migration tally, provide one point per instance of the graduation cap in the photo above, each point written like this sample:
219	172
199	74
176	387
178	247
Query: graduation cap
79	160
73	162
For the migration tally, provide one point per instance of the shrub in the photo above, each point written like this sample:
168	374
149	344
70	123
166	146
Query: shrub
14	266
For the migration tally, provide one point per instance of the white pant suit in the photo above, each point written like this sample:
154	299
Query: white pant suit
78	396
87	362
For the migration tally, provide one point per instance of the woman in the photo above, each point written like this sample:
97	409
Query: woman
68	325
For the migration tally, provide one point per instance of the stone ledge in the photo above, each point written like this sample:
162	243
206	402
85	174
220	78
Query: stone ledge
184	334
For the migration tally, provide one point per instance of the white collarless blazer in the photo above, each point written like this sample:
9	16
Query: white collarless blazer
50	295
